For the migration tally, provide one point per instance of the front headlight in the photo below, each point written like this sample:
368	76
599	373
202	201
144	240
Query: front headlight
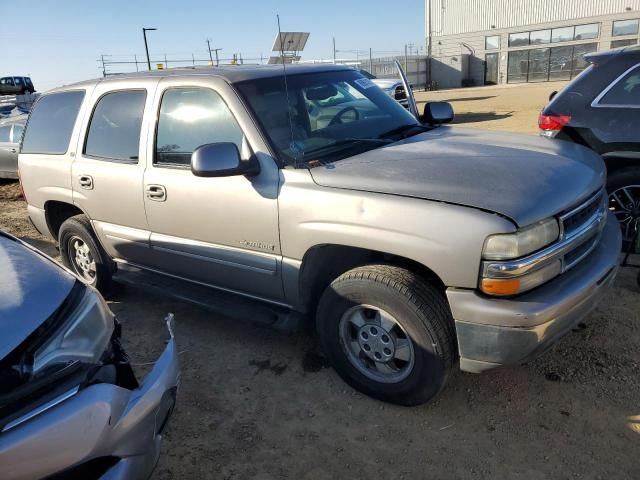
508	246
83	336
502	273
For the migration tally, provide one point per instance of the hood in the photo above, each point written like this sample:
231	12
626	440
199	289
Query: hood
525	178
32	287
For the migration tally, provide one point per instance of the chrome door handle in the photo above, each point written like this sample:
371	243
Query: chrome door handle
86	182
156	192
13	150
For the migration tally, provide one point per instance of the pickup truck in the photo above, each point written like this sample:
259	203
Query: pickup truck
414	246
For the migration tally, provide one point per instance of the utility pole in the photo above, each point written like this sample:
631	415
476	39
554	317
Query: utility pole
146	47
429	81
104	70
334	50
405	58
209	49
135	57
370	61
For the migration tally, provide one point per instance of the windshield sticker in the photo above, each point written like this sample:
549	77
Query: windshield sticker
364	83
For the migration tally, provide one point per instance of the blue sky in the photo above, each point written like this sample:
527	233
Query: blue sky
59	41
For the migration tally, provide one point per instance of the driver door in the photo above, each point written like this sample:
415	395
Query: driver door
219	231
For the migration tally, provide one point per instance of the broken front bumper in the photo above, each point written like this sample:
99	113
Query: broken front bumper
493	332
102	431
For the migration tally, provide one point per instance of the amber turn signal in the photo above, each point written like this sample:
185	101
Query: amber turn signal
500	286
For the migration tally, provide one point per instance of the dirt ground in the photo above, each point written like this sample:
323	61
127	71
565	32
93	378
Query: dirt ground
512	108
258	404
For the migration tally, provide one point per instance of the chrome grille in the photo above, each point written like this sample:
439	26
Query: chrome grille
586	222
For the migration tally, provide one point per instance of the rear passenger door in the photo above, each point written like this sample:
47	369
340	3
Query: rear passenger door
109	166
219	231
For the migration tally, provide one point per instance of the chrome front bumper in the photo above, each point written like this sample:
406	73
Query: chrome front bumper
100	421
494	332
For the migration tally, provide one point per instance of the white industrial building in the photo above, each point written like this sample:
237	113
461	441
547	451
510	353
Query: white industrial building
485	42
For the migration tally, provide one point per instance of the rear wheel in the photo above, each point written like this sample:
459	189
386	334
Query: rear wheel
388	333
624	201
81	252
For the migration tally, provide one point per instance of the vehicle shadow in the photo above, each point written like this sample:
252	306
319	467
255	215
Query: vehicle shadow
473	117
468	99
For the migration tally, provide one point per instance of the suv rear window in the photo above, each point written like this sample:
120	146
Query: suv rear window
114	131
51	123
625	92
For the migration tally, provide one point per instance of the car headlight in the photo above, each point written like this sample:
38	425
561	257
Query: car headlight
502	277
83	336
508	246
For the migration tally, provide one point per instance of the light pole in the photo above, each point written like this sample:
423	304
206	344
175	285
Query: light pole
146	47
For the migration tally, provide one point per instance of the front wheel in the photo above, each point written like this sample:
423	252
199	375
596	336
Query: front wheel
388	333
624	202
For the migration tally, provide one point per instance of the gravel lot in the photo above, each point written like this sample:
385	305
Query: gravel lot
258	404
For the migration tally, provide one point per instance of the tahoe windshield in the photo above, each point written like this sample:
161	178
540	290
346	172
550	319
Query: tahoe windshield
329	116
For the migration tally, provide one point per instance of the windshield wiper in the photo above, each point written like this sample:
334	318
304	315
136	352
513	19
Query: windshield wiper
344	141
403	129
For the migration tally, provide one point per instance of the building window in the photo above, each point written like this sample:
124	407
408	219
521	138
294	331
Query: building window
625	27
492	42
585	32
518	39
518	66
544	64
564	34
623	43
560	63
540	36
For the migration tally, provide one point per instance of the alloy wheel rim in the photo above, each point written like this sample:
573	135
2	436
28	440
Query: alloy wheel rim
82	259
376	344
624	203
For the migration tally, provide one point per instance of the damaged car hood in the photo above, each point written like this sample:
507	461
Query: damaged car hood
31	289
525	178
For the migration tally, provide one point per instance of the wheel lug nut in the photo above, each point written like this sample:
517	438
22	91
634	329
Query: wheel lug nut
385	339
366	347
373	330
387	351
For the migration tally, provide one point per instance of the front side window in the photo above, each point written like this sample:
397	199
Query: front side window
51	123
625	27
492	42
585	32
325	116
189	118
625	92
18	81
114	130
518	39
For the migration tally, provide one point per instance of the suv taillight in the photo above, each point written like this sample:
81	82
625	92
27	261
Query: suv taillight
550	125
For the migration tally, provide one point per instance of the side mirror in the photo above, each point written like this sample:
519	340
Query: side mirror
400	94
221	160
437	113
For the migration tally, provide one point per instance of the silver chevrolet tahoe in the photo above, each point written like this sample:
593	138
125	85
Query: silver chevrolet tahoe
414	245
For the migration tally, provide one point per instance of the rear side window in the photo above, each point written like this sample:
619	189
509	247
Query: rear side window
114	130
191	117
51	123
626	92
18	81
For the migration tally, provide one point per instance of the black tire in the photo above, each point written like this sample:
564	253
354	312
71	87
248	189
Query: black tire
80	227
618	179
418	307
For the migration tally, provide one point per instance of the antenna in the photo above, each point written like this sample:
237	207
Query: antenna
292	145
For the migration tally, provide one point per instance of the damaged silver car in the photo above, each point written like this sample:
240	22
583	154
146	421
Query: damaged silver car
70	404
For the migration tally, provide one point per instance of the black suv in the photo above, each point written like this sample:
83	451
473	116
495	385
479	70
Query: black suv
600	109
16	85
